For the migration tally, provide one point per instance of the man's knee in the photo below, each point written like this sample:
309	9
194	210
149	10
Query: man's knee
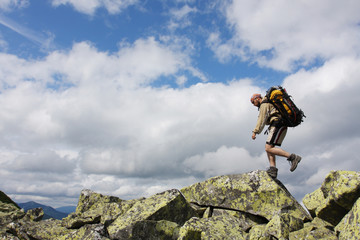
268	148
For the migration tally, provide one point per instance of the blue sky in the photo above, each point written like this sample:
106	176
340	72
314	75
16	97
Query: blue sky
130	98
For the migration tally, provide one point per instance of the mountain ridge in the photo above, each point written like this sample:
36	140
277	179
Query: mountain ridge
49	212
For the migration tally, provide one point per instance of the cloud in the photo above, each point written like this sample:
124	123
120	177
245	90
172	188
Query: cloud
180	17
283	35
45	40
94	120
90	6
8	5
117	123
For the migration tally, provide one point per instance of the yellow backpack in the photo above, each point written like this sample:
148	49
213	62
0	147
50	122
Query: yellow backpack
292	116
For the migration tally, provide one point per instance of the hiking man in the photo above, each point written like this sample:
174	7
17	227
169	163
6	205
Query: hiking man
269	115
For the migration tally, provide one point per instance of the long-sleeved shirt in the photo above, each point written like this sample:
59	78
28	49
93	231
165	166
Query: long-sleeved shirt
267	114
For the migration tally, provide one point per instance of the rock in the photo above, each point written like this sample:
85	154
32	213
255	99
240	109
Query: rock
169	205
35	214
255	193
349	227
336	196
281	225
47	229
88	232
317	228
246	220
249	206
258	232
218	227
9	212
155	230
96	208
313	200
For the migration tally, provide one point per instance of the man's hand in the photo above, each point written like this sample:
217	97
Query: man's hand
253	136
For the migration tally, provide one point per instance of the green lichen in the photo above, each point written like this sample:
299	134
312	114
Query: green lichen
218	227
169	205
349	227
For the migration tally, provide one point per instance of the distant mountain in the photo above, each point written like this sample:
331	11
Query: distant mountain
49	212
66	209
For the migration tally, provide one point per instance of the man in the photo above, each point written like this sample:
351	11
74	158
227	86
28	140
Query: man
269	115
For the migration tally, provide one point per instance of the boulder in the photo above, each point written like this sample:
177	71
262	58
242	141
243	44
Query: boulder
336	196
349	227
96	208
281	225
218	227
313	200
155	230
9	210
255	193
316	229
47	229
169	205
87	232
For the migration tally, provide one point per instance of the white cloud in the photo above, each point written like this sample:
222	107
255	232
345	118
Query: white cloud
282	35
90	6
95	120
8	5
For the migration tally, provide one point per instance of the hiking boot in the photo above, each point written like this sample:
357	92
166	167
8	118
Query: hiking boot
294	161
272	171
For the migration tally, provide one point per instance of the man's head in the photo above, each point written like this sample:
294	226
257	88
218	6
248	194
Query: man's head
256	99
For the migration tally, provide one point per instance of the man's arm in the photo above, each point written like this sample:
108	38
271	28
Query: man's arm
261	121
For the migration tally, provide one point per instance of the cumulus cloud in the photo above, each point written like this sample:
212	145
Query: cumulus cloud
86	118
90	6
282	35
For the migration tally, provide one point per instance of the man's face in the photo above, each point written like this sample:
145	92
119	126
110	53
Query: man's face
256	102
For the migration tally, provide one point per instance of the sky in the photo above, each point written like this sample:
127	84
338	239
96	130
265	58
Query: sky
130	98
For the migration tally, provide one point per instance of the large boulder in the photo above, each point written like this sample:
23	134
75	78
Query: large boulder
336	196
255	193
9	211
96	208
169	205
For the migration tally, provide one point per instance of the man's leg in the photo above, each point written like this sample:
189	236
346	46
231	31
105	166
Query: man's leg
272	159
275	151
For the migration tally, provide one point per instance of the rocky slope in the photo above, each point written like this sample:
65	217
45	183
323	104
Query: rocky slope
245	206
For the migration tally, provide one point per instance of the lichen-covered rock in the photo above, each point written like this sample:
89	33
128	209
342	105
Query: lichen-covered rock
254	192
155	230
340	189
317	229
349	227
313	200
258	232
35	214
169	205
246	220
96	208
281	225
9	211
45	230
88	232
218	227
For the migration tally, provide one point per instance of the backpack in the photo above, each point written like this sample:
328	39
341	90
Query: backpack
292	116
